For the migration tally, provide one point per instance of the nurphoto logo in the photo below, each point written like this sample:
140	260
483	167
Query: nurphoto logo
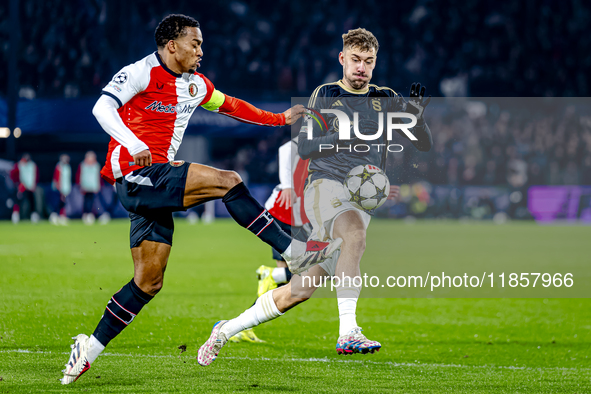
343	123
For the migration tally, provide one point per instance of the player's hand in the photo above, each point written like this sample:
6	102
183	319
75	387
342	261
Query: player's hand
394	192
416	103
293	114
285	197
143	159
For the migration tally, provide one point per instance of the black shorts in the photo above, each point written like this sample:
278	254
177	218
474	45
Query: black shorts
151	195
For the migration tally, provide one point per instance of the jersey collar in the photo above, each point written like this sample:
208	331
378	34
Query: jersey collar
168	70
354	91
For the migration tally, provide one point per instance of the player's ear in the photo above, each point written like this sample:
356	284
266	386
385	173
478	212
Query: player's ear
171	46
342	58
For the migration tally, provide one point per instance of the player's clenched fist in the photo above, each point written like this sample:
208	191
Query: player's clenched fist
143	159
293	114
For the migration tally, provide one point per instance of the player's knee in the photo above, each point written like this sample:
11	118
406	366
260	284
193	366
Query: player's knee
291	300
300	294
153	287
286	297
150	285
231	179
355	240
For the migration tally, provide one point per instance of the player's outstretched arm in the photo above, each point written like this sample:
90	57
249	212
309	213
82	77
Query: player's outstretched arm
248	113
293	114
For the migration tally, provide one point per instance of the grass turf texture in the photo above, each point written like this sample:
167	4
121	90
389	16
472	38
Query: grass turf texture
55	282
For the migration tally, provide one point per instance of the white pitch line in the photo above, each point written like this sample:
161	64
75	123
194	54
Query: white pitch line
394	364
102	354
324	360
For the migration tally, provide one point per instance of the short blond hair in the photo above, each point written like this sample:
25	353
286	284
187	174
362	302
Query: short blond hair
360	38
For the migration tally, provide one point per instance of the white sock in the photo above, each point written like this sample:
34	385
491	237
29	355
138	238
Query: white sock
347	297
279	275
287	253
95	349
295	249
262	311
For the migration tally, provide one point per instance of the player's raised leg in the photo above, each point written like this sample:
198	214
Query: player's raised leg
351	227
205	183
149	259
269	306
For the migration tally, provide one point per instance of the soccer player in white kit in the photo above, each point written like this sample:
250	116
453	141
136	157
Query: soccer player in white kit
286	205
331	214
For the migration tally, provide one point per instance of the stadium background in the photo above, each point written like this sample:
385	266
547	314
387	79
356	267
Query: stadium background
58	55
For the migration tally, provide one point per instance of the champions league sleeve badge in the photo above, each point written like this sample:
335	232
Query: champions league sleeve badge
120	78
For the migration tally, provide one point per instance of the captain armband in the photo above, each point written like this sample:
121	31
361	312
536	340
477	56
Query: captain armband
216	101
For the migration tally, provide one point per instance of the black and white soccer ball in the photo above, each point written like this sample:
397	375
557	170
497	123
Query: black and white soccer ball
367	187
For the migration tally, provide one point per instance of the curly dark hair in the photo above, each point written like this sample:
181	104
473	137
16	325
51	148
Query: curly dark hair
173	27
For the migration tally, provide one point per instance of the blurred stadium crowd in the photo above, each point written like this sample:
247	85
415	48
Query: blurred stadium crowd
271	51
277	48
481	152
478	143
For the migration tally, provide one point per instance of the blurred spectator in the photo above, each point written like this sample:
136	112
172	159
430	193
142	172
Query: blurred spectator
586	170
89	180
470	48
62	183
516	169
25	175
571	174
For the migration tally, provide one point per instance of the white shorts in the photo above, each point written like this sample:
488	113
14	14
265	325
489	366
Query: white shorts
324	201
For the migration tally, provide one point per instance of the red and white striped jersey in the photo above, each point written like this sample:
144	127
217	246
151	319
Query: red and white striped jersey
155	104
292	175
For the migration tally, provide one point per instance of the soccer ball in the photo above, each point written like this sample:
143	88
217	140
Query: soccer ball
367	187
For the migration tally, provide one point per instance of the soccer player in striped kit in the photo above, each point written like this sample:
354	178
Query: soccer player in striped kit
146	109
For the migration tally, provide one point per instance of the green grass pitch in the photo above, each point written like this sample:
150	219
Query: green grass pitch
55	282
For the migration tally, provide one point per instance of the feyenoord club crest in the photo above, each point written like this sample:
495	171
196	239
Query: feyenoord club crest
177	163
193	90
